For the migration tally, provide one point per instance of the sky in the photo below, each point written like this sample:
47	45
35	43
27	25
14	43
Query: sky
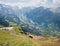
32	3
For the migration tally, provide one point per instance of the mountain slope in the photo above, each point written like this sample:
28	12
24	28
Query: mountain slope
44	21
15	38
39	21
7	14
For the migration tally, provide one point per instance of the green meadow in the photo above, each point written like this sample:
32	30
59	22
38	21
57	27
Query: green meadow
16	38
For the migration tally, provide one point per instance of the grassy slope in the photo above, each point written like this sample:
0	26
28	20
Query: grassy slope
15	38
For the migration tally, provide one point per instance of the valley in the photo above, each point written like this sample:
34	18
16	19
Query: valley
29	26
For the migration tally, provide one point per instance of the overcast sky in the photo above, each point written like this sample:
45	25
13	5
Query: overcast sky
32	3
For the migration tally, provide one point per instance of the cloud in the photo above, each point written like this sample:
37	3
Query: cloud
15	0
33	3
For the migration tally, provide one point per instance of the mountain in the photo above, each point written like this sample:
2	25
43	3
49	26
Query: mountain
8	16
39	20
43	21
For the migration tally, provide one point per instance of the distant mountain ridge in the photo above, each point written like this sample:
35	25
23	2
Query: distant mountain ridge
8	14
40	20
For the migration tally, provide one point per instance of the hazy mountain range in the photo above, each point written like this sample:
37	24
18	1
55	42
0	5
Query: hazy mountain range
37	20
